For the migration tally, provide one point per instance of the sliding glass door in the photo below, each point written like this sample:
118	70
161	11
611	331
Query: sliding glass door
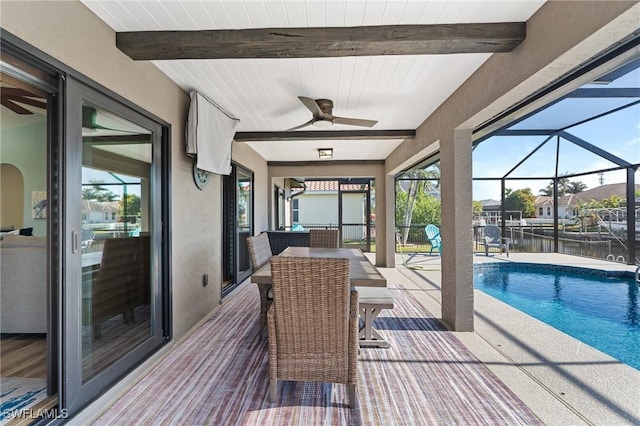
237	193
115	291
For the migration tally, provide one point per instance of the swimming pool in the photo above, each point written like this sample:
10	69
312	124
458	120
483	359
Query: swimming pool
599	308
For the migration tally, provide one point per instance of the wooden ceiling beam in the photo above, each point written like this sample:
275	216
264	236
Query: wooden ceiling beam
322	42
324	135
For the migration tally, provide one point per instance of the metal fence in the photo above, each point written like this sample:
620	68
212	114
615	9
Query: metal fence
527	242
412	238
530	239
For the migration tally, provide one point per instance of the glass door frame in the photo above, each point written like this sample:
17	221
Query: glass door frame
342	226
36	69
75	394
234	251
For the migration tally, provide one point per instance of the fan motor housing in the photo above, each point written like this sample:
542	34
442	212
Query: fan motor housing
326	105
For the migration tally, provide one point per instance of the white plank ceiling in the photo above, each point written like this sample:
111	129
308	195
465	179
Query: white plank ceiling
398	91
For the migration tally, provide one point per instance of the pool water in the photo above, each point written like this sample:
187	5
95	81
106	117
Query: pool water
599	310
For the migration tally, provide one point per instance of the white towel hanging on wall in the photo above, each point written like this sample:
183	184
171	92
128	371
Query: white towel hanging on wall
210	131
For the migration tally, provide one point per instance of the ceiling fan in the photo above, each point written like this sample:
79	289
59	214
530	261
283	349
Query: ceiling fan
322	110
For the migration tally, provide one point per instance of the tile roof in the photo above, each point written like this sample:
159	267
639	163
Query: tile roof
606	191
329	185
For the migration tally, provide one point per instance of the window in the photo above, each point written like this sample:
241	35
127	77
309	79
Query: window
548	211
278	207
540	211
296	210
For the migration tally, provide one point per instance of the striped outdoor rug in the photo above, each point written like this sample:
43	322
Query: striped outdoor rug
219	376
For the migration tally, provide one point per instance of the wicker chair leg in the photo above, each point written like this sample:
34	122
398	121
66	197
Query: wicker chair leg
352	395
264	304
273	390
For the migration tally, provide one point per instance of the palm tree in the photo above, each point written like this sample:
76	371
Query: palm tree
575	187
421	180
563	186
98	192
547	190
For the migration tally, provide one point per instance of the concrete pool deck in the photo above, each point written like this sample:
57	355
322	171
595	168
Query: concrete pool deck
564	381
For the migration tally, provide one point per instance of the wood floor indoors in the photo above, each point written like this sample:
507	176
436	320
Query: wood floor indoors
25	356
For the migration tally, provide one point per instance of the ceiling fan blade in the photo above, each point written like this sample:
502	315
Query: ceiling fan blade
312	105
15	107
28	101
354	121
301	126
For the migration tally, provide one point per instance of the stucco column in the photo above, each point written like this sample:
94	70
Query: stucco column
457	256
388	257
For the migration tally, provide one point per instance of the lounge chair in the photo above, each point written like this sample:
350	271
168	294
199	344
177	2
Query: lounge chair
493	238
313	323
433	234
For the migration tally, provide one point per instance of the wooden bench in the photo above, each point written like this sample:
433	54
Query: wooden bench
372	300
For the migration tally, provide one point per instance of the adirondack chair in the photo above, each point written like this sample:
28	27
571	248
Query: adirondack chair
493	238
433	234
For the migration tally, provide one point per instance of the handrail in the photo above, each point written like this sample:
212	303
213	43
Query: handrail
638	275
602	223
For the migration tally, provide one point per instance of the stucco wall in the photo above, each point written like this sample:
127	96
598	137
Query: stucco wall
318	208
25	147
322	208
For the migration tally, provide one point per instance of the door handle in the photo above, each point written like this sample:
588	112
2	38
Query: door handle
74	241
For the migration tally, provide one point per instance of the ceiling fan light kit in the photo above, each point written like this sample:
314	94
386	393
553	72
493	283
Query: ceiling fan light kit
322	115
322	124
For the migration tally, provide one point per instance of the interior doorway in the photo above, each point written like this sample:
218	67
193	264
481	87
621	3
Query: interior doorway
28	370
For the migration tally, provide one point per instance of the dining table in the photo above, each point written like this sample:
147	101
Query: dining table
362	272
364	277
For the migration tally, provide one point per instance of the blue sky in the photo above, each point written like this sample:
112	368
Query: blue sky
95	175
617	133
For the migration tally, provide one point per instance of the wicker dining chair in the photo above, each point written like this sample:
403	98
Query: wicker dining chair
259	254
327	238
313	323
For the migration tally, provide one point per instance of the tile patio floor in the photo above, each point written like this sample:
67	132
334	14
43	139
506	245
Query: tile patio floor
564	381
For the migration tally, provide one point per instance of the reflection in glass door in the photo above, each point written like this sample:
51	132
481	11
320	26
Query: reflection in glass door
115	242
244	222
237	227
114	303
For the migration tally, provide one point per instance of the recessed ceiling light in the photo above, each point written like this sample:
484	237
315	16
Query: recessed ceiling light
324	153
